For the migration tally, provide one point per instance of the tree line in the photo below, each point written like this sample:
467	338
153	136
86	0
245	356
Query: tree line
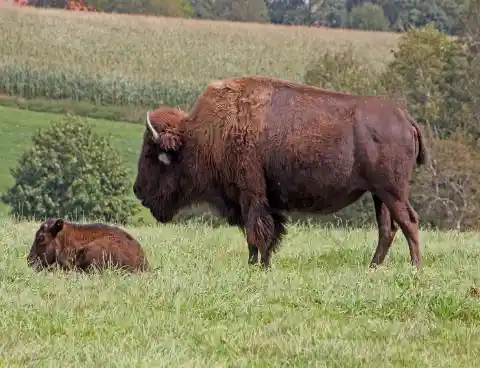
380	15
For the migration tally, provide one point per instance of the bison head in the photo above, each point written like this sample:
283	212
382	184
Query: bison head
43	253
161	164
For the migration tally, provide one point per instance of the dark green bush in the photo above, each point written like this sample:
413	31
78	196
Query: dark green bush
71	172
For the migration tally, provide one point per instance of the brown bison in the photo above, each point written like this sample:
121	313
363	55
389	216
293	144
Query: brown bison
81	246
255	147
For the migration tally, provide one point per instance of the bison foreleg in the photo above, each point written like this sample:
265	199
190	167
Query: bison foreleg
260	228
252	254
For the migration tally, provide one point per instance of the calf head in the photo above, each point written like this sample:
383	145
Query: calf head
161	169
43	252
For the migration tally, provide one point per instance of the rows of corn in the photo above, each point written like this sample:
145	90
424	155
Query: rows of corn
147	61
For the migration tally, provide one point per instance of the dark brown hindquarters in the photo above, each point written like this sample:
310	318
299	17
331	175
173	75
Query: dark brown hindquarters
393	210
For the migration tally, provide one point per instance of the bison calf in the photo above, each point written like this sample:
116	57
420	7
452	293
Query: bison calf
70	245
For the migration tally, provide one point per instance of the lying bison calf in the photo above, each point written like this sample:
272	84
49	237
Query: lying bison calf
70	245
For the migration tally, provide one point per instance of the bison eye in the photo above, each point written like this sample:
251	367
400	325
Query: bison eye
41	238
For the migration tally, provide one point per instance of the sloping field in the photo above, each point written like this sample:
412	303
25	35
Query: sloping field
205	307
126	59
17	127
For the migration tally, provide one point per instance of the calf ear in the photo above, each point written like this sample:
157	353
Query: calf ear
57	226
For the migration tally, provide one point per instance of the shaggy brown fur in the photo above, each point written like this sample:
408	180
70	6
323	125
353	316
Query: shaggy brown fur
255	147
79	246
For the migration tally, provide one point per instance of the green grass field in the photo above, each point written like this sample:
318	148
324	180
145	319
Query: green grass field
133	59
204	306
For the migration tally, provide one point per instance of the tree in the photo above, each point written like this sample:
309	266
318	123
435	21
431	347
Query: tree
168	8
286	11
69	171
239	10
404	14
438	77
328	13
368	16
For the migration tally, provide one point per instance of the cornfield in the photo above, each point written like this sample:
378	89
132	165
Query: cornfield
147	61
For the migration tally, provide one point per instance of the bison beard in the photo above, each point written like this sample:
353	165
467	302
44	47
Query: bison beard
256	147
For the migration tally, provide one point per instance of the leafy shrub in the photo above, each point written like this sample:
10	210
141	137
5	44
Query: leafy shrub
448	190
344	71
70	171
432	72
368	16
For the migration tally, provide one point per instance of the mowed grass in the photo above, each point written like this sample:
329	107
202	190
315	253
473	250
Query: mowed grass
319	305
120	59
18	126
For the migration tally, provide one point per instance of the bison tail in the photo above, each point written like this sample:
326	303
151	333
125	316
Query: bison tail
422	155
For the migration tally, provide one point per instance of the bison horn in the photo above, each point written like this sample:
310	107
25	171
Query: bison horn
150	127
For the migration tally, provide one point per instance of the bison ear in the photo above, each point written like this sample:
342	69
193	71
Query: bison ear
57	226
169	142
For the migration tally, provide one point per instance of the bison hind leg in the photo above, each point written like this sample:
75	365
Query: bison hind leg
387	229
406	217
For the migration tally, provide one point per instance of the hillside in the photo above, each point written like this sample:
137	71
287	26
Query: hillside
18	126
130	59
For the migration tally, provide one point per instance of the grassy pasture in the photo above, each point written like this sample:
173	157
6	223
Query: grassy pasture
17	127
130	59
204	306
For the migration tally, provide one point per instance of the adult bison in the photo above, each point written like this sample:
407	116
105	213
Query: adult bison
255	147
